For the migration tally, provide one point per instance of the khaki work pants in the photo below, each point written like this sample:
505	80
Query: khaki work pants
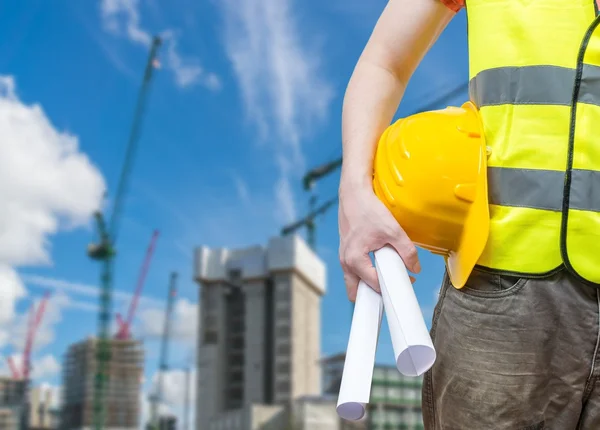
515	353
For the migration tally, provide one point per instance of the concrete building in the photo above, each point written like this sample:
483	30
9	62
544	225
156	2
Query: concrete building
259	337
42	414
122	395
319	413
167	422
11	398
395	401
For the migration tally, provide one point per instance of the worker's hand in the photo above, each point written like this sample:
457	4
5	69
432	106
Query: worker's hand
366	225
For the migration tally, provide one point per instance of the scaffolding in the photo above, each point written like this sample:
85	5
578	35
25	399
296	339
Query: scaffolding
123	391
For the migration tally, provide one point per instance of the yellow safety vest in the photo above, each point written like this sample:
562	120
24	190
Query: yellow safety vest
535	76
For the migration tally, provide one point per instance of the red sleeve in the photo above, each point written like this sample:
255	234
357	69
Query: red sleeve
456	5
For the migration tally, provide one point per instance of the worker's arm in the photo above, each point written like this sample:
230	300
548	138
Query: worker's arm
403	35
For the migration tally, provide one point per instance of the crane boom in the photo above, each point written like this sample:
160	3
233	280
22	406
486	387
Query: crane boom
104	251
134	137
13	368
308	219
164	349
34	324
125	326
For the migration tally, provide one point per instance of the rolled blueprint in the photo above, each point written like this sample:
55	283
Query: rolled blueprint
413	349
357	375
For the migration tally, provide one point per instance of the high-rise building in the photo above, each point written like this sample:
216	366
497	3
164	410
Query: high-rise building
259	337
122	393
395	400
42	414
11	403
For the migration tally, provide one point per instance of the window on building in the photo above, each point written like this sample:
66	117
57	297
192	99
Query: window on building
283	349
283	367
282	330
379	374
283	386
210	337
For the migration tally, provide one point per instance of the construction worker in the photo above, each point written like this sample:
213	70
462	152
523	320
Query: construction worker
517	346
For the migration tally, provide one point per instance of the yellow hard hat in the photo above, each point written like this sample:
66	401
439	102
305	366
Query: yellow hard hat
430	172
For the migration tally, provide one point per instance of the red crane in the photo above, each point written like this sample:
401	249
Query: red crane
35	318
123	332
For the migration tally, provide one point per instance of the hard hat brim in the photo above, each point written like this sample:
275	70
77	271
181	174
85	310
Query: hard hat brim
461	262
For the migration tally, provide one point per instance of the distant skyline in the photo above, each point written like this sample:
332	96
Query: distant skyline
247	98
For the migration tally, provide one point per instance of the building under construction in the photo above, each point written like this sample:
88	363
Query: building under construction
11	398
122	394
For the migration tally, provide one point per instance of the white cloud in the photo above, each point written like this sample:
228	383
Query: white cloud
122	18
45	334
45	181
12	291
122	298
55	394
184	322
174	392
283	91
241	188
149	320
47	185
45	367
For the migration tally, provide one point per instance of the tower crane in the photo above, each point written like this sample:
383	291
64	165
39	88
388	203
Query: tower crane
309	221
104	250
35	319
123	332
156	398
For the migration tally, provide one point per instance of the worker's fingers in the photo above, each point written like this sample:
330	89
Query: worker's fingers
359	264
406	249
412	279
351	286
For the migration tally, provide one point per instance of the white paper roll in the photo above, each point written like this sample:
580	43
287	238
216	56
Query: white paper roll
357	375
413	348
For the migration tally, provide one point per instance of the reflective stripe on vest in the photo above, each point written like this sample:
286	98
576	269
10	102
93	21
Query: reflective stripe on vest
535	76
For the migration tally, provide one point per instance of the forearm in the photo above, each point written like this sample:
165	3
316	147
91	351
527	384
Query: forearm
403	35
371	100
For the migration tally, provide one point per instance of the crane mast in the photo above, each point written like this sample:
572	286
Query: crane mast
164	358
104	250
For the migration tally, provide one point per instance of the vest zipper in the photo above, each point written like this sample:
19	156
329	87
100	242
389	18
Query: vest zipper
571	147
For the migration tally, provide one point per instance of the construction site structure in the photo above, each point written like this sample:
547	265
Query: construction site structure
43	414
104	249
124	330
157	397
167	422
259	338
122	393
11	402
24	373
395	401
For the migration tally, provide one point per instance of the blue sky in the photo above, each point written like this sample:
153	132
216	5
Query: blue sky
248	98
